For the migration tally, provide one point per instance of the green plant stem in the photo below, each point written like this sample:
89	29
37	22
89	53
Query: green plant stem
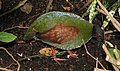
31	57
39	56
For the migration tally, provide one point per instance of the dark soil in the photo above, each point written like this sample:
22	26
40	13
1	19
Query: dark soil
16	18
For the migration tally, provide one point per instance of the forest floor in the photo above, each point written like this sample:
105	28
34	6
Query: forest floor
21	50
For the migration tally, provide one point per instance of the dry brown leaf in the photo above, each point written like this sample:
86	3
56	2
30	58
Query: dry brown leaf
27	8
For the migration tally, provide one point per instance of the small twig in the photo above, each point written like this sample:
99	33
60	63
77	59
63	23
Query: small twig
40	56
16	27
97	63
86	4
106	50
108	56
49	5
5	69
92	56
10	65
110	31
31	57
96	68
116	69
114	62
70	4
26	58
111	12
109	43
18	6
11	57
111	60
100	10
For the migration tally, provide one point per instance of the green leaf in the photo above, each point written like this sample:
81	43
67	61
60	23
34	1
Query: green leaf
7	37
48	20
112	53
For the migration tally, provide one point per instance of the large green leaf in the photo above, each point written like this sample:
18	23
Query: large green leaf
7	37
47	21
